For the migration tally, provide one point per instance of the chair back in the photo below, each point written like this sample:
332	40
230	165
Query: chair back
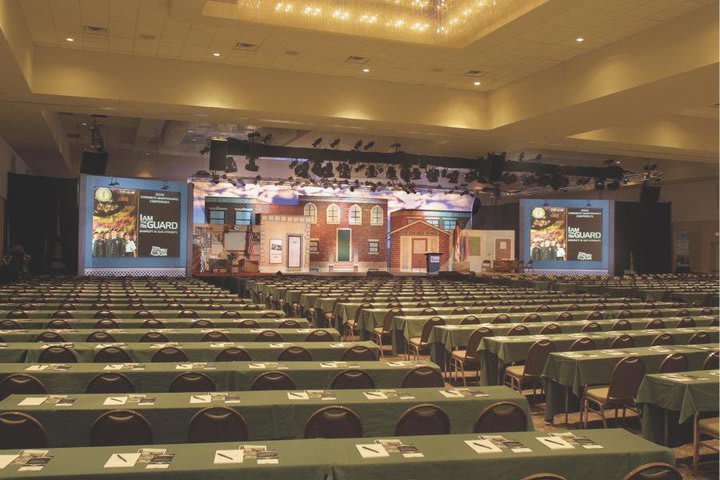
20	430
295	354
624	314
359	353
352	379
428	311
654	324
542	308
154	337
654	471
215	336
387	321
712	362
674	363
248	323
202	323
120	427
273	315
622	341
269	336
471	350
233	354
686	322
14	314
626	378
49	337
361	307
536	358
100	337
621	325
516	309
591	327
582	344
152	323
564	317
532	318
112	354
192	382
58	324
470	320
594	316
319	336
272	381
110	383
289	324
423	419
655	313
214	306
106	324
103	314
699	338
143	314
543	476
231	314
663	339
428	326
501	417
57	354
518	330
217	424
551	329
169	355
488	309
20	383
458	311
188	314
502	318
333	422
423	377
62	314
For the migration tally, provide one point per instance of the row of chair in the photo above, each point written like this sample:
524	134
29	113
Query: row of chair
222	424
143	313
109	324
114	383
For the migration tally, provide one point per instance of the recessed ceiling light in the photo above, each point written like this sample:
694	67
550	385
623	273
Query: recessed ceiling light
477	83
216	54
579	39
70	39
366	70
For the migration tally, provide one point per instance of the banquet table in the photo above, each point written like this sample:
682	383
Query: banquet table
159	314
34	324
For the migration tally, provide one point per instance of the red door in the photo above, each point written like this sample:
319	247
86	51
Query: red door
502	249
419	247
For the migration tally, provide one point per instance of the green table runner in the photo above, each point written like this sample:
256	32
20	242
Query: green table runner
166	322
159	314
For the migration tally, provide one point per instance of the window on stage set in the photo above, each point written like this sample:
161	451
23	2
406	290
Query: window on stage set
377	216
374	247
355	215
217	217
332	214
314	246
244	216
310	213
449	224
435	222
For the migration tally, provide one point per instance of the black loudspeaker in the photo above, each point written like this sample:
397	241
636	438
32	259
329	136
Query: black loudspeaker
497	167
649	194
258	217
475	218
218	154
94	163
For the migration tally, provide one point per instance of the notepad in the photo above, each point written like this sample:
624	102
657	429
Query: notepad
375	395
6	460
451	393
32	401
298	395
121	400
555	443
229	456
36	368
483	446
372	451
122	460
200	398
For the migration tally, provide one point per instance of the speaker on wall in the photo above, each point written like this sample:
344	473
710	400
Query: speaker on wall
258	217
94	163
649	194
218	155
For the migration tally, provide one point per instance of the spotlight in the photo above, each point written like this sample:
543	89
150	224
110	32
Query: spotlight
114	182
416	173
405	173
469	176
612	185
230	165
267	138
251	165
317	168
528	180
165	185
432	174
453	176
371	172
294	163
327	170
335	143
317	142
508	178
358	145
521	157
558	181
391	173
252	136
396	146
302	170
343	170
359	167
369	145
538	157
599	184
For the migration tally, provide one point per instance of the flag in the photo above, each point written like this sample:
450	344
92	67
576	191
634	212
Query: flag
249	241
457	242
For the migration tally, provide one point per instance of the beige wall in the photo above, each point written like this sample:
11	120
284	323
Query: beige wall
280	226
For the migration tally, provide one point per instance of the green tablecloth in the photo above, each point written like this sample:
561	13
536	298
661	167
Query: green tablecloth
159	314
339	459
669	401
196	351
173	335
269	414
575	370
167	322
125	305
156	377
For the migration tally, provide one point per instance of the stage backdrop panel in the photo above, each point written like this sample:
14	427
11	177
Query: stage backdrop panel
133	226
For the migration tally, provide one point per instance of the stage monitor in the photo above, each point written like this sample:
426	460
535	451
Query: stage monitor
133	226
561	236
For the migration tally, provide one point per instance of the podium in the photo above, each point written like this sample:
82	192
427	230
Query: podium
433	262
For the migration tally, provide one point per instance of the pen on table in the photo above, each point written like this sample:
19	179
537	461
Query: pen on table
550	441
478	444
370	449
195	397
224	456
121	458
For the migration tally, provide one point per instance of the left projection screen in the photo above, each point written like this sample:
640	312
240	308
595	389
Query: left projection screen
133	226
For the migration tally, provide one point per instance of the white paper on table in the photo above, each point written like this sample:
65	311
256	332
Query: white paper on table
122	460
115	400
256	365
200	398
6	460
35	368
113	366
184	366
31	468
229	456
372	450
157	466
555	443
31	401
375	395
298	396
483	446
451	394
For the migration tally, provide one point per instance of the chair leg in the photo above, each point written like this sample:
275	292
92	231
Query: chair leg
567	403
602	414
696	441
464	377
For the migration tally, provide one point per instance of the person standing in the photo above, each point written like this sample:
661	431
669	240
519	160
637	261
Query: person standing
112	248
559	252
130	247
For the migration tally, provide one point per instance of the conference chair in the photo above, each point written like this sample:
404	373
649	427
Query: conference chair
531	318
173	305
112	354
470	320
706	311
288	323
67	306
232	354
319	336
423	419
154	337
359	353
542	308
516	309
106	324
15	314
169	355
622	341
100	337
217	424
620	393
705	427
143	314
192	382
582	344
501	417
448	303
674	363
57	354
272	315
518	375
594	316
682	313
231	314
384	332
420	304
423	377
215	336
564	317
20	384
113	383
543	476
654	471
488	309
58	324
518	330
469	358
202	323
479	303
120	427
551	329
663	339
712	362
502	318
295	354
272	381
188	314
61	314
458	311
20	430
591	327
418	344
103	314
49	337
655	313
655	324
269	336
248	323
621	325
428	311
686	322
624	314
699	338
214	306
26	306
333	422
352	379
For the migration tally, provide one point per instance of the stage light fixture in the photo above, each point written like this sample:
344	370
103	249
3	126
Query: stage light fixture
335	143
521	156
397	147
252	136
612	185
114	182
317	168
538	157
508	178
358	145
369	145
327	171
432	174
302	170
294	163
344	170
391	173
416	173
599	184
165	185
230	165
251	165
470	176
405	173
317	142
360	167
558	181
453	176
267	138
371	172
